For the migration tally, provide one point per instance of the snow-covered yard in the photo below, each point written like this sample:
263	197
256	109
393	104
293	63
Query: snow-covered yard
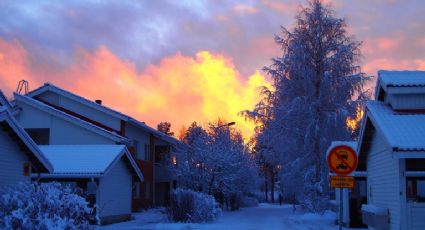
265	216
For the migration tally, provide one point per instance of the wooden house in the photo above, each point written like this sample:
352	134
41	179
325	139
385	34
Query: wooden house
392	149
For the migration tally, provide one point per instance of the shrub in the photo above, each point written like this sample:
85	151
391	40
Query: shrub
43	206
190	206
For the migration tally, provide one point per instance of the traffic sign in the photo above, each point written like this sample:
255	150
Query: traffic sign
342	182
342	160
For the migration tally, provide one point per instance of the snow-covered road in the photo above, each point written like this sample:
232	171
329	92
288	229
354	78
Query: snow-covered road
265	216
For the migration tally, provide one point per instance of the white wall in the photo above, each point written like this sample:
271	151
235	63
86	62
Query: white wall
61	132
383	179
12	160
114	192
406	101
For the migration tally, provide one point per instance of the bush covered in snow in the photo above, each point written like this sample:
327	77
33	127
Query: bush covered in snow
43	206
190	206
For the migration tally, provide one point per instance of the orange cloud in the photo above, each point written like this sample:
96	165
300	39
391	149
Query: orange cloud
13	65
179	89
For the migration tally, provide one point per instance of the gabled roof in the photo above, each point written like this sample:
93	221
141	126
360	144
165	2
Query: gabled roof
48	87
52	88
401	78
403	131
87	125
4	102
6	116
405	82
86	160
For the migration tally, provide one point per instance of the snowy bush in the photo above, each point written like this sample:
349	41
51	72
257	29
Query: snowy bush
247	201
190	206
43	206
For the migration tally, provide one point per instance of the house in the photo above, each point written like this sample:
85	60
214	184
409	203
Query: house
106	172
54	116
19	155
392	146
352	199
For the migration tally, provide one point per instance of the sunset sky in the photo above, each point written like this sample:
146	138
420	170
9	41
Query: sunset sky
183	61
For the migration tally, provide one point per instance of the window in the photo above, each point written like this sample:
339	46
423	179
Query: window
41	136
415	189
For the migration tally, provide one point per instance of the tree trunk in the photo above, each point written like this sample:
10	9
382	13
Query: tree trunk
266	185
272	177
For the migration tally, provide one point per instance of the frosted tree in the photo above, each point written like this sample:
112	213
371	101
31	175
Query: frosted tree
315	81
215	161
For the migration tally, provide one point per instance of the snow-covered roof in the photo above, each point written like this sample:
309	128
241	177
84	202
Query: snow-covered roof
403	131
75	120
6	116
52	88
400	82
91	160
401	78
4	102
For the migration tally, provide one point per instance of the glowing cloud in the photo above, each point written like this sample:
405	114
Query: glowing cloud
179	89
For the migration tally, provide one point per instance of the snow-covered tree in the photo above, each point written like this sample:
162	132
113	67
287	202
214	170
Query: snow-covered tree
315	81
215	161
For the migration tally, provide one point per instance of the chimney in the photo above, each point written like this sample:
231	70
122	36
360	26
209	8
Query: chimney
98	101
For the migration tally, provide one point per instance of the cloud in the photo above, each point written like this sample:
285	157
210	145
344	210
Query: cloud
179	89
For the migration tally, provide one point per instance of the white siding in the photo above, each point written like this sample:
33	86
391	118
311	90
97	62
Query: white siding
81	109
384	179
406	101
61	132
12	161
416	214
114	192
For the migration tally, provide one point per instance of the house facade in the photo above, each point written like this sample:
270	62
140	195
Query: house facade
55	116
19	155
392	146
106	172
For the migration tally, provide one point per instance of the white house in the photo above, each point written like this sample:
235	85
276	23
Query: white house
392	143
107	172
150	148
18	153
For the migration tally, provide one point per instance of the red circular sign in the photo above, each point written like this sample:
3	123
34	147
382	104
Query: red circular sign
342	160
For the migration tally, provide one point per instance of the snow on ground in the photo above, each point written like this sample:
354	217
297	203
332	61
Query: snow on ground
265	216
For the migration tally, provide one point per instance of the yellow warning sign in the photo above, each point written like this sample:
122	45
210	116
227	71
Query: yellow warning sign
342	182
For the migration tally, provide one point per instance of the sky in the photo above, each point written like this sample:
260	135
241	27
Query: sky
183	61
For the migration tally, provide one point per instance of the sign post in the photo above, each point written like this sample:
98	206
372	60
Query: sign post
342	160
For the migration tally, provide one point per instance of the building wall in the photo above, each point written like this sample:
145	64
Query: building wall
61	132
12	161
141	139
114	193
81	109
383	179
406	101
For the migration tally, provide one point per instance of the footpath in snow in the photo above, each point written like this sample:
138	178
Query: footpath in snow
265	216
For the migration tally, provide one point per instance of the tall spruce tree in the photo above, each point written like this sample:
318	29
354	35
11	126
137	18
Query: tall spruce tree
315	81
